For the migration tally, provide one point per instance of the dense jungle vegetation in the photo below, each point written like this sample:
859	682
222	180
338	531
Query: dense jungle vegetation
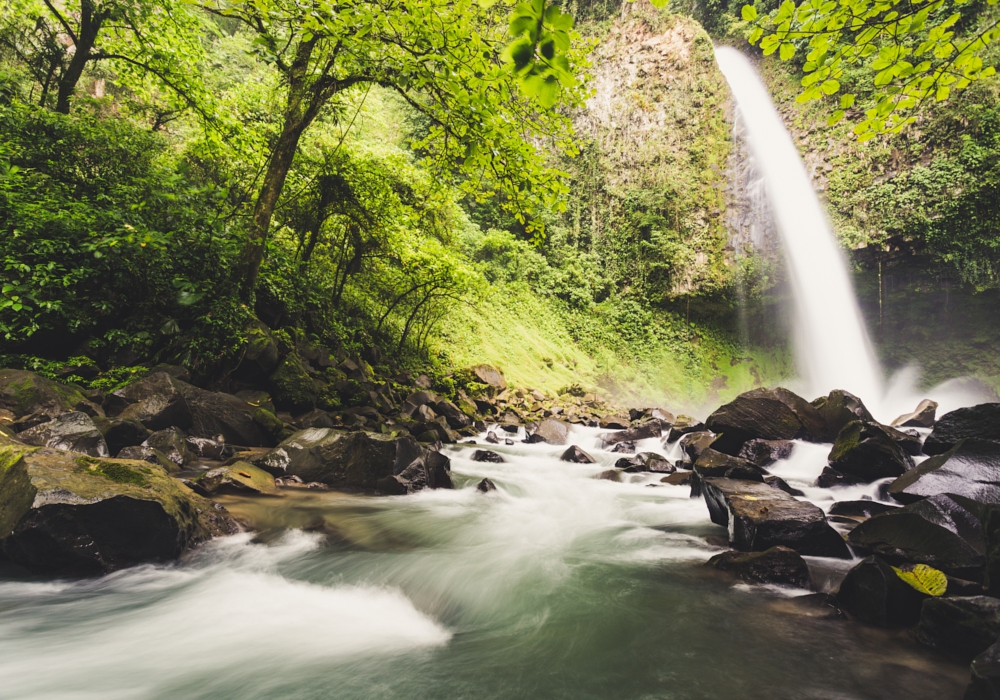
177	179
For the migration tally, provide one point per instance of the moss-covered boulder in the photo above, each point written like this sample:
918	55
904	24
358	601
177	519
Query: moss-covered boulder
868	451
839	408
69	514
292	387
23	392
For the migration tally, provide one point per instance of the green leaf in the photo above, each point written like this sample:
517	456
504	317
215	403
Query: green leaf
847	101
942	93
787	51
749	13
830	87
923	578
835	117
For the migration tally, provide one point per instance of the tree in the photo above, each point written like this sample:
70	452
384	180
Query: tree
444	57
914	51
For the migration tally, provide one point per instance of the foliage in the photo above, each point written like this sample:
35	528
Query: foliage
924	579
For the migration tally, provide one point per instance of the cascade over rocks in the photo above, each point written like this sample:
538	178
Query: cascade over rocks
775	565
73	431
962	626
157	401
868	452
922	417
971	468
937	531
839	408
760	517
76	515
769	414
873	593
982	421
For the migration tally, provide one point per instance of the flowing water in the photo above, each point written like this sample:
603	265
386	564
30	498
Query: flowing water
557	585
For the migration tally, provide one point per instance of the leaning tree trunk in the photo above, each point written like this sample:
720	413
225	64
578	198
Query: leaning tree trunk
90	25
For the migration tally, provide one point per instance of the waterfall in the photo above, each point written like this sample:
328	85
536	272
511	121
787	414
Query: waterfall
832	346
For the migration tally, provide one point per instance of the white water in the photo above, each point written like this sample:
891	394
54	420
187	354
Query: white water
832	345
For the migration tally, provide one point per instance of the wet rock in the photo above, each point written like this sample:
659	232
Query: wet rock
982	421
647	430
764	453
486	486
868	452
456	419
682	426
148	454
73	431
860	509
239	478
614	422
768	414
922	417
157	401
487	456
937	531
838	409
610	475
961	626
119	433
830	478
574	454
776	565
776	482
677	479
693	444
207	448
29	421
646	462
908	439
173	444
491	437
317	418
971	468
69	514
216	413
23	392
551	431
873	593
712	464
985	684
624	447
760	517
430	470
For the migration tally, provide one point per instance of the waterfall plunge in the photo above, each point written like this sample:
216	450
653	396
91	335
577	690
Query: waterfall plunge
832	346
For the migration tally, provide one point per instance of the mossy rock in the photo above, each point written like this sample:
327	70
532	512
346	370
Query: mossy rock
239	478
292	387
23	392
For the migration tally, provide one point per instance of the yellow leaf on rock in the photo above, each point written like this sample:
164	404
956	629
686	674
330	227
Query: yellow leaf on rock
925	579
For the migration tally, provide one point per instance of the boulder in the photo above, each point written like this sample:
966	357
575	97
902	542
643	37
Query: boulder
355	460
982	421
985	684
937	531
682	426
73	431
148	454
614	422
157	401
776	482
173	444
486	486
971	468
291	387
120	432
240	478
873	593
677	479
575	454
647	430
908	439
764	453
922	417
610	475
860	509
646	462
775	565
487	374
207	448
838	409
456	419
551	431
769	414
830	478
216	413
624	447
430	470
961	626
487	456
712	463
867	451
23	392
693	444
760	517
67	514
261	355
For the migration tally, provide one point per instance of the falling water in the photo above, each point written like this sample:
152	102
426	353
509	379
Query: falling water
832	345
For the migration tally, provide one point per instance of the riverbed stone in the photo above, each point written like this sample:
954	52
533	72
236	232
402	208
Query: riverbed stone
776	565
874	593
650	429
429	470
867	451
157	401
173	444
69	514
921	417
240	478
769	414
985	668
455	417
838	408
693	444
963	626
937	531
982	421
120	433
760	517
576	455
971	468
646	462
681	427
216	413
486	486
860	510
143	453
487	456
551	431
23	392
74	431
764	453
712	463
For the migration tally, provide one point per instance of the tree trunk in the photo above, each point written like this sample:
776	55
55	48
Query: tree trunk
90	25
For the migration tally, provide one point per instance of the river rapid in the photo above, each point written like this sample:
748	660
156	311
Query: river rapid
556	585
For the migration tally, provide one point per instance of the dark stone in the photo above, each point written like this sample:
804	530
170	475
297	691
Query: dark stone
492	438
456	419
693	444
860	509
119	433
937	531
961	626
764	453
712	463
768	414
424	413
173	444
868	452
73	431
574	454
23	392
486	486
971	468
391	486
776	482
148	454
922	417
760	517
317	418
626	447
610	475
65	516
645	462
241	478
873	593
677	479
908	439
431	470
982	421
207	448
614	422
647	430
829	478
215	413
157	401
487	374
487	456
775	565
551	431
29	421
985	684
292	387
682	426
838	409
